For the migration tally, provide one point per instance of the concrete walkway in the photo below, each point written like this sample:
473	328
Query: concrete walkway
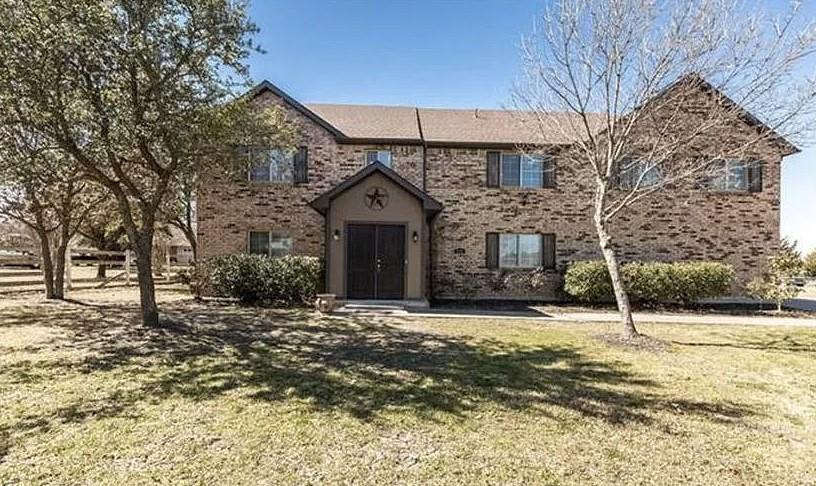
706	319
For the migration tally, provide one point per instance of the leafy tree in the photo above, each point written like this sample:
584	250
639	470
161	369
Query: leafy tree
647	89
180	210
777	285
140	94
103	229
810	264
42	188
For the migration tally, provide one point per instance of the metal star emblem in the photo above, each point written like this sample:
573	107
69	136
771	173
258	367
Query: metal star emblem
376	198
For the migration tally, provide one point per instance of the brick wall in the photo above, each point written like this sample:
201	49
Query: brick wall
229	209
684	224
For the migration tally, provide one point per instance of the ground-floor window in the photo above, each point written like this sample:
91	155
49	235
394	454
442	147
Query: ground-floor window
520	250
269	243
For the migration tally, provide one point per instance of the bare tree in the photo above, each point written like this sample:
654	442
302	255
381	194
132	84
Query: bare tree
657	95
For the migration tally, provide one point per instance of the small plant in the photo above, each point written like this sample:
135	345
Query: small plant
810	264
776	284
524	282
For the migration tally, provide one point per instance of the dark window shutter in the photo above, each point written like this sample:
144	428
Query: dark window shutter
755	176
548	173
548	251
302	166
492	250
493	168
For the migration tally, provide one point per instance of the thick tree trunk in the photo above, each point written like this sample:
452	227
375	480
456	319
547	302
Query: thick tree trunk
47	264
608	251
101	271
147	288
59	271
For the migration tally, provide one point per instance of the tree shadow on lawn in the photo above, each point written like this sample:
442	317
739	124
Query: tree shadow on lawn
359	365
803	340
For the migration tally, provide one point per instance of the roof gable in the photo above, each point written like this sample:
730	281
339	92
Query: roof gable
430	205
265	85
464	127
698	81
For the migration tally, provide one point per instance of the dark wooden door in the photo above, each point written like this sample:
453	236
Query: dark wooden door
390	261
375	261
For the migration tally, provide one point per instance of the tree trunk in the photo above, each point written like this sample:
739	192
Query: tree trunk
59	270
191	238
101	271
47	264
612	264
147	288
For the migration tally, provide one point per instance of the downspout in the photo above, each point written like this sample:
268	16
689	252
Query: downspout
429	220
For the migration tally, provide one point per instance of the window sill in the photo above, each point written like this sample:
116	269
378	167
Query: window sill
731	193
523	269
523	189
273	184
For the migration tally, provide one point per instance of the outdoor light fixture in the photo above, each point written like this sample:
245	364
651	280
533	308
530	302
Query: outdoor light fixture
415	237
336	234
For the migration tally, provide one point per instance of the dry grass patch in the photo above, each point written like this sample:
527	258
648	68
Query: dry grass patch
242	395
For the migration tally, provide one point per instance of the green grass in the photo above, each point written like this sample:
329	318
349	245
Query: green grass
239	395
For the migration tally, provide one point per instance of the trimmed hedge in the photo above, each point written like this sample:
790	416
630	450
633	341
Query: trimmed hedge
650	282
254	279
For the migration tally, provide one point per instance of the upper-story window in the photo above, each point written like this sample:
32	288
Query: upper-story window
736	175
638	173
270	164
519	170
381	156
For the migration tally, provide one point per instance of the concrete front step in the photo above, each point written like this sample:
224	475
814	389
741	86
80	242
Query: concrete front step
382	307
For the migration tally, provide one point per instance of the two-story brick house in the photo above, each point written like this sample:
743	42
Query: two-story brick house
416	203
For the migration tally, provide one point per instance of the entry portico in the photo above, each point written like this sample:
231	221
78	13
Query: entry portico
377	230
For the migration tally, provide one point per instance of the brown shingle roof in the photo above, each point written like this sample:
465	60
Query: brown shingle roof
456	126
496	126
371	121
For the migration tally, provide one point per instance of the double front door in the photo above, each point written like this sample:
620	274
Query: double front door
375	261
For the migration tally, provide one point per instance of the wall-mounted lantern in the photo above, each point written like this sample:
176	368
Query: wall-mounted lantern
336	235
415	236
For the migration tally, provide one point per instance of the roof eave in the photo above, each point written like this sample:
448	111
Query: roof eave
267	86
321	203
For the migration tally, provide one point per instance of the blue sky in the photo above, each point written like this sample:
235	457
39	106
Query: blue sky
443	53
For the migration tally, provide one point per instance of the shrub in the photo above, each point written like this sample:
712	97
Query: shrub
776	284
810	264
650	282
588	282
253	279
694	281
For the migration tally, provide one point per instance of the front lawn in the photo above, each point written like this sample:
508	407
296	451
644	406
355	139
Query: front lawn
238	395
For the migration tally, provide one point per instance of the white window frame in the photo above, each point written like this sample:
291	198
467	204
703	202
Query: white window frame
377	157
289	159
724	173
271	236
517	264
541	159
639	181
